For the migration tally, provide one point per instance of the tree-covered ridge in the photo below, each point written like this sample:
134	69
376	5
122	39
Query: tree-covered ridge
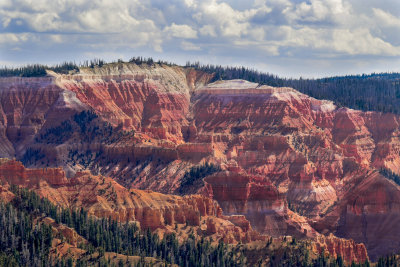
22	242
39	70
373	92
107	235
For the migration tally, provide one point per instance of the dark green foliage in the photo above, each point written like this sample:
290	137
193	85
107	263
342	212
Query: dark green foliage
32	156
64	68
58	134
37	70
84	158
84	118
390	175
375	92
196	173
149	61
125	238
296	208
388	261
93	63
87	124
22	243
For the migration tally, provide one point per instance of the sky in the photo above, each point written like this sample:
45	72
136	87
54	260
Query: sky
290	38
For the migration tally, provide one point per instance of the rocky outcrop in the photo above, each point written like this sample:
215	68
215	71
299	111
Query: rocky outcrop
104	198
368	212
335	247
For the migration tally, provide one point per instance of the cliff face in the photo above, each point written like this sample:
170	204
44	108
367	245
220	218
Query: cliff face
147	99
335	247
288	160
189	215
367	212
103	197
27	105
316	155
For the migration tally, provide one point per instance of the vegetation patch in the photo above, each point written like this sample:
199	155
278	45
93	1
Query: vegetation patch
196	173
33	156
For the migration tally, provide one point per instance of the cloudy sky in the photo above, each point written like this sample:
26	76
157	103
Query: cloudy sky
309	38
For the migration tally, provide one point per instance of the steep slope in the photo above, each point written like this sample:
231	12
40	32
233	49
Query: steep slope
368	212
287	159
27	105
193	215
314	153
104	198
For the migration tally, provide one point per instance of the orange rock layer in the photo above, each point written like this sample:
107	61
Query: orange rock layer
104	198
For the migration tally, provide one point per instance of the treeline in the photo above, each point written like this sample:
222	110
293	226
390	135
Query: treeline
39	70
26	71
107	235
373	92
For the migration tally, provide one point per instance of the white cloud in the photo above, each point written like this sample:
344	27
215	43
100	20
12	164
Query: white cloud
14	38
181	31
386	19
208	30
188	46
361	42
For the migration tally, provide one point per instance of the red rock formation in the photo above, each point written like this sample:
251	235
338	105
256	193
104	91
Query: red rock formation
27	105
368	212
347	249
299	152
103	197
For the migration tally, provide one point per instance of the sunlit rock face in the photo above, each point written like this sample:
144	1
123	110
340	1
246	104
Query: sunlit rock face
288	162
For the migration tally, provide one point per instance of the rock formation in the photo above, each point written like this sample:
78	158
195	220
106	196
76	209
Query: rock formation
291	164
104	198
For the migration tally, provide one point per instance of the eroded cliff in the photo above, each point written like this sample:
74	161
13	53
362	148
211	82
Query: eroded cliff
288	161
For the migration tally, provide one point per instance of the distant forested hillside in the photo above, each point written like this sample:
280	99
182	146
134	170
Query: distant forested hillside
373	92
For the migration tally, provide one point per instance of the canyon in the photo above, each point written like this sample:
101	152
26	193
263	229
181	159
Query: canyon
119	140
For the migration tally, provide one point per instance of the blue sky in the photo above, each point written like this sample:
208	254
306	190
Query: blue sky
309	38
